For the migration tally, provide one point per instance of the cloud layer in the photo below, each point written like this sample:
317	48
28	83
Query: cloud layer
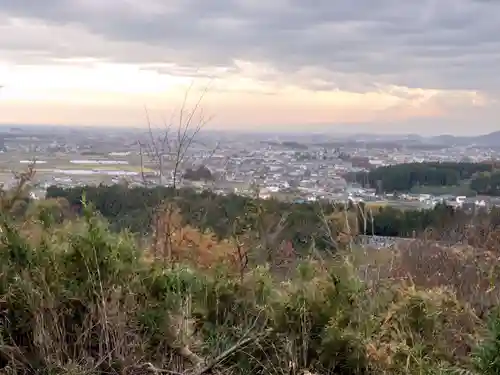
358	45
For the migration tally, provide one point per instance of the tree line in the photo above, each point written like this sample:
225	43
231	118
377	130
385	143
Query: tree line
487	183
404	177
303	224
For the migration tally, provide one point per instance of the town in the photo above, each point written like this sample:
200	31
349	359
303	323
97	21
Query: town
297	169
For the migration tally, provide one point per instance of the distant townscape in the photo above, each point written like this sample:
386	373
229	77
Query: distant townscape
405	172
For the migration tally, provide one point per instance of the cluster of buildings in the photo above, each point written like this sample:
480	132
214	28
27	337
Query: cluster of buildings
318	173
294	171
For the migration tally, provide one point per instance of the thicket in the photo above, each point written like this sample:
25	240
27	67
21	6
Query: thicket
78	298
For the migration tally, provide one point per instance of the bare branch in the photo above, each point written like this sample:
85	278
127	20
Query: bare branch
169	152
175	144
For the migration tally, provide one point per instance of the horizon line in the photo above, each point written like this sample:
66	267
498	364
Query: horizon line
246	130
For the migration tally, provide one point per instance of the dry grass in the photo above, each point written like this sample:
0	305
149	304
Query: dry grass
78	299
471	273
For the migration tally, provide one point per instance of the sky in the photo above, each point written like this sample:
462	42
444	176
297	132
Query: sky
382	66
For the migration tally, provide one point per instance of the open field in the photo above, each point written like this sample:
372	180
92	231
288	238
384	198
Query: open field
399	204
462	189
87	169
48	163
91	167
377	205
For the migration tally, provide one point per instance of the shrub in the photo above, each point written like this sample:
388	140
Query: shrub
487	355
76	297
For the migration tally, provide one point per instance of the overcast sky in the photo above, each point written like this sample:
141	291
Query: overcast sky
427	66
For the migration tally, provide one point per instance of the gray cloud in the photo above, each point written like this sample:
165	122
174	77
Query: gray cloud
354	45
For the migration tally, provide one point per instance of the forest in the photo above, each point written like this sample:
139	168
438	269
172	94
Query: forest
301	223
487	184
404	177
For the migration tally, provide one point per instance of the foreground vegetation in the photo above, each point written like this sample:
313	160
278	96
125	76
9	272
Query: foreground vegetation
79	298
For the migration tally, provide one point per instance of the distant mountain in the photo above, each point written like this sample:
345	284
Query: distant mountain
488	140
443	139
371	137
413	140
485	140
491	139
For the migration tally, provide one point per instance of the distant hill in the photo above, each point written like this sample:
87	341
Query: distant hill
490	140
485	140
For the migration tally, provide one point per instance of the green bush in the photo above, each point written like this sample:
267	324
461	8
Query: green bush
487	355
76	297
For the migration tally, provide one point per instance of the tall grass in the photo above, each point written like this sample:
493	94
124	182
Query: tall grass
76	298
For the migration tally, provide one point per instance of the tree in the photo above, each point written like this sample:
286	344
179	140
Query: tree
169	153
169	149
202	173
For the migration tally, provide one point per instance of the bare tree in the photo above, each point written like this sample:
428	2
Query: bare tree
167	149
9	197
241	248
